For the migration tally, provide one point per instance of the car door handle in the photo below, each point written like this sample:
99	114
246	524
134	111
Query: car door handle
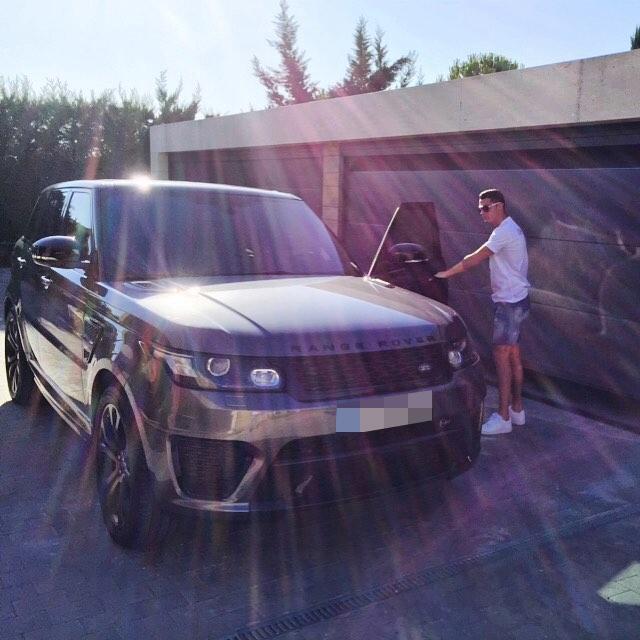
45	282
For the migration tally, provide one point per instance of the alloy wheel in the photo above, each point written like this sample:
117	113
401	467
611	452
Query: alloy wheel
12	355
114	467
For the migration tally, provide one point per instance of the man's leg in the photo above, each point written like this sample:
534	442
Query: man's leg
516	377
502	357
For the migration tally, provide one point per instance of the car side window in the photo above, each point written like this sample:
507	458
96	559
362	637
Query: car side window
47	216
77	221
36	216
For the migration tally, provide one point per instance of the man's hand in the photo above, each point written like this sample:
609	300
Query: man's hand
468	262
452	271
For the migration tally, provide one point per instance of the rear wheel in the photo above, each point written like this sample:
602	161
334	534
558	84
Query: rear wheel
19	375
126	487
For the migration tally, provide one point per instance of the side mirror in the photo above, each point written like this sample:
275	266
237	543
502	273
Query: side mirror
408	253
56	251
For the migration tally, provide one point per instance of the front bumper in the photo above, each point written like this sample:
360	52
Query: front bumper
226	452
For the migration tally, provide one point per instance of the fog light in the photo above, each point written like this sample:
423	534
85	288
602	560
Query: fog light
455	358
265	378
218	366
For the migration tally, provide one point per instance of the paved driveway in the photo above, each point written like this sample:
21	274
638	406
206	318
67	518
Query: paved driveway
539	540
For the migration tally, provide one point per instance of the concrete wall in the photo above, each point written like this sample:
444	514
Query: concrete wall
599	89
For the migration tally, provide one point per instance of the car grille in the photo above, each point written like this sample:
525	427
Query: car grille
209	469
335	445
360	374
338	466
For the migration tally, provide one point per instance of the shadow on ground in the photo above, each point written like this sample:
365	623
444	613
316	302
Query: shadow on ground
60	574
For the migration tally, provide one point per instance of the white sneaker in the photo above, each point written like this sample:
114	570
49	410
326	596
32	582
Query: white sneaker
495	424
517	417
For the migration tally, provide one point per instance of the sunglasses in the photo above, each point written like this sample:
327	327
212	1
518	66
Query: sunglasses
485	207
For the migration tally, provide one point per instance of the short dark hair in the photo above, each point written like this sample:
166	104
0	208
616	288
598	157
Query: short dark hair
492	194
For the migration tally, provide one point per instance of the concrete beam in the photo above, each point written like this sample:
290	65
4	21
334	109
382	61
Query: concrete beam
332	186
594	90
159	165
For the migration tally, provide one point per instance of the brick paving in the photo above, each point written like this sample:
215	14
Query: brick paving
60	576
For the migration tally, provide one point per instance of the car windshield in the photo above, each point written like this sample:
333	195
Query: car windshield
182	232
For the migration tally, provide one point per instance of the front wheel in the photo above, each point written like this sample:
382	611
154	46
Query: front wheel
126	488
19	375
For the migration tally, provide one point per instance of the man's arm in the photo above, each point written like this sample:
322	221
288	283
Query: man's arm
468	262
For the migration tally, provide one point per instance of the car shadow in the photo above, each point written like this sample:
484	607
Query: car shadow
47	464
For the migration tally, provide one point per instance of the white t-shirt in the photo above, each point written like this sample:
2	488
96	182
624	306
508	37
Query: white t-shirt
509	263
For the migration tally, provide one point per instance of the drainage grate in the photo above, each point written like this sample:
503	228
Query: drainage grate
343	604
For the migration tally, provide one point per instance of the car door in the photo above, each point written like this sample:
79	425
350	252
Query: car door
410	253
46	220
61	353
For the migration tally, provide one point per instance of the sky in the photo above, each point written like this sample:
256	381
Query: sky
95	45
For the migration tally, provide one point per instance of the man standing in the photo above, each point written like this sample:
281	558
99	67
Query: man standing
506	250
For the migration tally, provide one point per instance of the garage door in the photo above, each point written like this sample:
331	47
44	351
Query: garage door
583	234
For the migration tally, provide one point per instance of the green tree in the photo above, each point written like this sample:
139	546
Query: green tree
359	68
368	67
397	74
481	63
171	109
121	128
290	82
635	39
58	135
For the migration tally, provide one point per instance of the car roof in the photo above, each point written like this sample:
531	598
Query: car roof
145	185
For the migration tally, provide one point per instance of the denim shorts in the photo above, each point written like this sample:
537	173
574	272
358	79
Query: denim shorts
507	318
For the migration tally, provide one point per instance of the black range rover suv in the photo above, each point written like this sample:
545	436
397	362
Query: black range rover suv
224	354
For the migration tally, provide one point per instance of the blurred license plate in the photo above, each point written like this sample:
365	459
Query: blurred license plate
371	414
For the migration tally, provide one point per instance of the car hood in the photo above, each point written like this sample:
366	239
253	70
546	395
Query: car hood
281	315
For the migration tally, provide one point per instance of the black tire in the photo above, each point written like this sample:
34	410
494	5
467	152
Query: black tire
19	375
126	487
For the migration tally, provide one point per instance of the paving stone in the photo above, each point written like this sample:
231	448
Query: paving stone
108	619
76	609
22	624
166	586
7	610
201	624
112	596
34	601
20	576
159	627
66	631
152	606
106	633
531	632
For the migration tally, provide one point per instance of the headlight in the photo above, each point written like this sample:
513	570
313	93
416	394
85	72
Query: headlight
460	353
455	354
218	367
183	368
265	378
220	372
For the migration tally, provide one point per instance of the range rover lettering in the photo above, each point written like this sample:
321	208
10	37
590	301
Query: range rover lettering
224	354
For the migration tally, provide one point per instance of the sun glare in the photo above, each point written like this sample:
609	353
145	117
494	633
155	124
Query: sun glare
143	182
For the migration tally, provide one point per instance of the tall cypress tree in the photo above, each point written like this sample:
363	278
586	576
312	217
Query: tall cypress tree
170	107
359	69
290	82
635	39
386	74
369	69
